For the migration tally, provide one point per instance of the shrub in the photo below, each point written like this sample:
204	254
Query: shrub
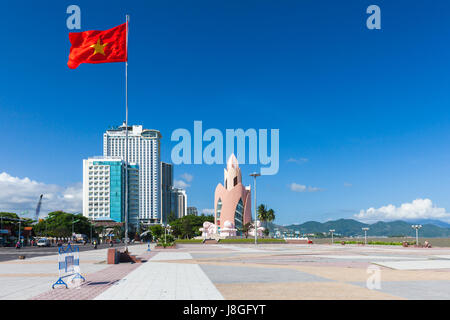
189	241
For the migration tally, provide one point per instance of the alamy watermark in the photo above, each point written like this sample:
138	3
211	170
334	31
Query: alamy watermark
374	20
74	20
374	280
213	152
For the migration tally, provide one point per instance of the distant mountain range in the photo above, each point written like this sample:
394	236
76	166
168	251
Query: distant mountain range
351	228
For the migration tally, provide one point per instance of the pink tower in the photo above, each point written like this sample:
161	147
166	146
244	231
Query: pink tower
232	202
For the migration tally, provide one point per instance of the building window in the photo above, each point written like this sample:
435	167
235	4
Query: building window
218	210
238	214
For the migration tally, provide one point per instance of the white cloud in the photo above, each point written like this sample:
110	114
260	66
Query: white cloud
22	194
302	188
347	184
418	209
188	177
208	211
298	161
180	184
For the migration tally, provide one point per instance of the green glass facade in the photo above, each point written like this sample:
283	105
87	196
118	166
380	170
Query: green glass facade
105	191
116	193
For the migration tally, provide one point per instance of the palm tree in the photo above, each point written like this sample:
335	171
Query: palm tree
262	213
270	215
245	229
265	215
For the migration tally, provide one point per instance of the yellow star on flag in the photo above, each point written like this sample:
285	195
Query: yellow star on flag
99	48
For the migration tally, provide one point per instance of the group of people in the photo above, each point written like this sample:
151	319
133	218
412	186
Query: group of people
19	244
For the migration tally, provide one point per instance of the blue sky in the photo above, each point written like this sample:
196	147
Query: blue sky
366	110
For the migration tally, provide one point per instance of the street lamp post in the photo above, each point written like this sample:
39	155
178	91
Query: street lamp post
167	229
73	224
365	235
254	175
332	239
20	221
417	227
19	232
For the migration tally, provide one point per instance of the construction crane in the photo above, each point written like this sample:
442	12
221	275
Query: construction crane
38	209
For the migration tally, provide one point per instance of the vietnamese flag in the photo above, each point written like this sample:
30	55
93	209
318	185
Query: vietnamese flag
98	46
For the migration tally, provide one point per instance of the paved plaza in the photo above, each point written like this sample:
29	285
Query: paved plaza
243	272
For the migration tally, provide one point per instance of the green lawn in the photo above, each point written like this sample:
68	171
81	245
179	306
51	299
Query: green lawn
248	240
252	240
189	241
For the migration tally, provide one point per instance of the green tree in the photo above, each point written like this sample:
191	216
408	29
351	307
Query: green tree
270	215
262	213
187	230
265	216
8	215
59	224
157	231
188	226
13	216
245	229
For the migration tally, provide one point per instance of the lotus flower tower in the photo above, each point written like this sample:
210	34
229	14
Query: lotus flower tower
232	201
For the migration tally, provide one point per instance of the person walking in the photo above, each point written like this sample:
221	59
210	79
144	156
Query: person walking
18	244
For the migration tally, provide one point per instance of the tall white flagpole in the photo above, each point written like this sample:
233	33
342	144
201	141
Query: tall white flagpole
126	136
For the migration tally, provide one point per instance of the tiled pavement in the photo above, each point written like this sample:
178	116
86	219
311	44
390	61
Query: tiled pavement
279	271
95	284
25	279
166	281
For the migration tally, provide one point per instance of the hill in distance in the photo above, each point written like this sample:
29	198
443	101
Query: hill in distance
352	228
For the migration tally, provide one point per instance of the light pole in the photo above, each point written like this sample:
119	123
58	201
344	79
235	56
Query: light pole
417	227
365	235
19	232
254	175
166	229
20	221
73	224
332	239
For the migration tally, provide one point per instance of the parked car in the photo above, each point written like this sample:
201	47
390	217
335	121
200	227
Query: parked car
44	242
81	238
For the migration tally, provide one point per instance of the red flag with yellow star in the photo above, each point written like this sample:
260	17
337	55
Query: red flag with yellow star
98	46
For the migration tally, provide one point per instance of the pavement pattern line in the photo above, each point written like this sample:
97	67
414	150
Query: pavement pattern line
96	283
416	265
364	257
301	291
306	272
164	281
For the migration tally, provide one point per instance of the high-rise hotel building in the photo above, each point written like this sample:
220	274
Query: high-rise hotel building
166	190
144	150
104	190
178	202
